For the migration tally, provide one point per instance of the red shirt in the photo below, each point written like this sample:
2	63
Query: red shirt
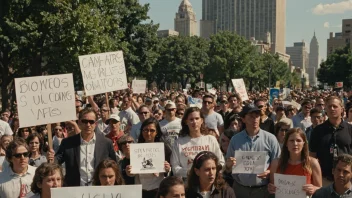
115	139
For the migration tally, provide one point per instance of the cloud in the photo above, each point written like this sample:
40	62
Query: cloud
326	25
333	8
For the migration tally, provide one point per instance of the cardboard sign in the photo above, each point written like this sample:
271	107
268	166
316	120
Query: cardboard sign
338	84
250	162
118	191
240	88
212	91
139	86
103	72
147	158
45	99
286	93
289	186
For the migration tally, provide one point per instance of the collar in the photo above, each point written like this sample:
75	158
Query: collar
92	141
341	125
258	134
213	190
333	192
110	135
13	174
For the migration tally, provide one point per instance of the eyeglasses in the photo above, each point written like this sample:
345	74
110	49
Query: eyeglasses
207	102
84	121
144	113
316	117
260	106
19	155
149	130
284	130
127	142
33	143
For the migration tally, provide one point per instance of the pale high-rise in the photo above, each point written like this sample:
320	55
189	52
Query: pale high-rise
248	18
313	61
185	21
340	39
299	55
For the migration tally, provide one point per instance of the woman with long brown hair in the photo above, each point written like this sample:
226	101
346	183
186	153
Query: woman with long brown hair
205	178
295	160
193	139
107	174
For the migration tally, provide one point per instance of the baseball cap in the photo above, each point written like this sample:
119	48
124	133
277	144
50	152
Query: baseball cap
169	104
112	117
249	109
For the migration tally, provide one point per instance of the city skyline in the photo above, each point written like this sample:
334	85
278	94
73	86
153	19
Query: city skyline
302	18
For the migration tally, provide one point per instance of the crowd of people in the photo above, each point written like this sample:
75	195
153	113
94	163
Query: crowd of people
305	134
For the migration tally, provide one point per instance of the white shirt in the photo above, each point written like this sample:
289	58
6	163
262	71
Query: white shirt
171	130
101	127
10	182
86	169
128	118
213	121
5	128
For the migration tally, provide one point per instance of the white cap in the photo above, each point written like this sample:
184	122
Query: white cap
113	117
170	104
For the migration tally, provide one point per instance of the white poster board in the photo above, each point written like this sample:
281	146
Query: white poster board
212	91
147	158
119	191
252	162
45	99
139	86
286	93
289	186
240	88
103	73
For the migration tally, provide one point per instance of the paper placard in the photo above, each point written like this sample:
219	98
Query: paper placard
147	158
240	88
209	86
118	191
45	99
103	73
289	186
295	104
188	86
338	84
212	91
139	86
250	162
286	93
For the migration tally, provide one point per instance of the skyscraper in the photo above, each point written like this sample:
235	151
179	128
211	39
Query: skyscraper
185	21
249	18
313	61
208	21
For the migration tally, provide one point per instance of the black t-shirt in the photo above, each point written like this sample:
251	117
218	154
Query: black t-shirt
123	163
268	125
321	140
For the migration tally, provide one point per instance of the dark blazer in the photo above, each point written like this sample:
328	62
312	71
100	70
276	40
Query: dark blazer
226	192
69	153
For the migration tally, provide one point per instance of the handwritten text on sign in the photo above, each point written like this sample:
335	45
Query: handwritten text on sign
147	158
45	99
249	162
240	88
289	186
120	191
139	86
103	72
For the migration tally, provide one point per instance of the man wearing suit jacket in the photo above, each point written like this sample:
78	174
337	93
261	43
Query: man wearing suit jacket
83	152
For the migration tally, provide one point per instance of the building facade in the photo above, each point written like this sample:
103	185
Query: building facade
185	20
208	21
248	18
167	33
340	39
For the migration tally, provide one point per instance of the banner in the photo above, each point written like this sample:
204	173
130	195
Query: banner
118	191
147	158
139	86
103	73
289	186
45	99
250	162
240	88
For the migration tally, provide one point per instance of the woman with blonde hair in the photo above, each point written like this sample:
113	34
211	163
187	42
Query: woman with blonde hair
295	160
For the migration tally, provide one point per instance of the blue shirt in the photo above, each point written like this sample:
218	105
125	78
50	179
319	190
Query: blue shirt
263	141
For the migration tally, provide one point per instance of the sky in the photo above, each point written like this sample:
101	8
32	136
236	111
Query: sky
302	18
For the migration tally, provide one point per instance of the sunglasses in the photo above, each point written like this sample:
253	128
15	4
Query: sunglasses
260	106
127	142
19	155
88	121
207	102
180	113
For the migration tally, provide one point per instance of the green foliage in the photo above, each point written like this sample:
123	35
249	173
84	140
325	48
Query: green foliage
337	68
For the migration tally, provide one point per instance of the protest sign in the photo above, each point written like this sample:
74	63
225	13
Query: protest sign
209	86
277	85
147	158
119	191
286	93
274	93
212	91
296	105
338	84
188	86
240	88
103	72
139	86
250	162
45	99
289	186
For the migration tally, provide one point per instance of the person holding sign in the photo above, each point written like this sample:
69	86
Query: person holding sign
193	139
150	133
107	174
47	176
295	160
205	179
83	152
252	139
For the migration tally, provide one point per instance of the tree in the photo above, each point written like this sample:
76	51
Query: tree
181	59
337	68
46	37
